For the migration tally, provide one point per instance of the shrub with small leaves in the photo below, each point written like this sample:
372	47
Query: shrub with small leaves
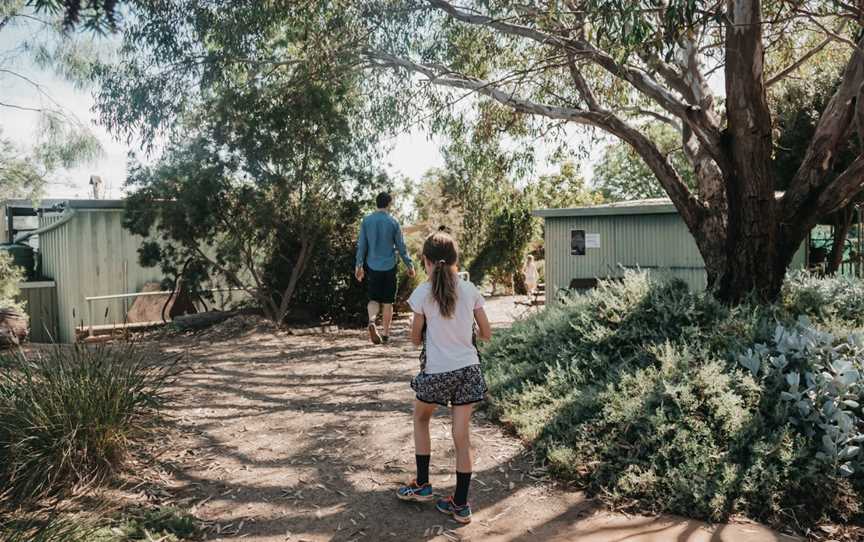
840	297
648	393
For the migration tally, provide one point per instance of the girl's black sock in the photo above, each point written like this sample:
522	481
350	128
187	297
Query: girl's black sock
463	480
422	469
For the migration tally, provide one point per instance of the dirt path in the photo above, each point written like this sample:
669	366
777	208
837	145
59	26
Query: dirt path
290	438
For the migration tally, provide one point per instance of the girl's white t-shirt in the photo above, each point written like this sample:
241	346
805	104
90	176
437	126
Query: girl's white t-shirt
449	344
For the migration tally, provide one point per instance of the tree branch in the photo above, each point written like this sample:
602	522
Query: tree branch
779	76
831	132
580	48
21	107
841	191
690	208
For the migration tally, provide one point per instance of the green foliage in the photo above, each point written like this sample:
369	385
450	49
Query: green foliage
274	150
25	172
97	15
328	289
644	391
561	190
10	276
505	245
68	416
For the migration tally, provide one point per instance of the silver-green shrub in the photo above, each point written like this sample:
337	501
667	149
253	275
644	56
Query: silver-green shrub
647	393
822	381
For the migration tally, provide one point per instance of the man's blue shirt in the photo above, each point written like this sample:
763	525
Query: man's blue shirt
380	238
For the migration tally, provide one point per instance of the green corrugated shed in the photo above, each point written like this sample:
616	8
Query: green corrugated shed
644	234
87	252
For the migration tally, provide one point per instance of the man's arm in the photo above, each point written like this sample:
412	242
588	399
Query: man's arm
361	246
361	252
400	246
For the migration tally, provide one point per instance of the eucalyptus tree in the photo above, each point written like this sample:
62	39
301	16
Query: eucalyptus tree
269	152
703	67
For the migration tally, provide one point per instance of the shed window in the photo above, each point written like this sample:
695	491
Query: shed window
577	242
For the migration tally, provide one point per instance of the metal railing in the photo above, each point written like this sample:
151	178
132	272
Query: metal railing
91	299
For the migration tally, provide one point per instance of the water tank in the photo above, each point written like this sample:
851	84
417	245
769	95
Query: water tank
22	256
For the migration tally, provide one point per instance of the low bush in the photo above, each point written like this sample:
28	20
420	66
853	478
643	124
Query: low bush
645	391
69	415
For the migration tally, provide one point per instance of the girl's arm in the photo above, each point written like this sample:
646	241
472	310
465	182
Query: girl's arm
417	329
484	331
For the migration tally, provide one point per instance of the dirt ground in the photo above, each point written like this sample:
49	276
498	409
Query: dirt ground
281	437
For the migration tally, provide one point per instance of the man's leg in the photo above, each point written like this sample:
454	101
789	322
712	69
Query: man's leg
372	310
387	309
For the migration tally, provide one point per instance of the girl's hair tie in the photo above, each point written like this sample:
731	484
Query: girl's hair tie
441	262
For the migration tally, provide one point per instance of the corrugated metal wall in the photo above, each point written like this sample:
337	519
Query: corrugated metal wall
41	306
92	255
653	242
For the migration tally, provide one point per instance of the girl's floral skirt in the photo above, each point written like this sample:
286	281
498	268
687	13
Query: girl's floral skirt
460	387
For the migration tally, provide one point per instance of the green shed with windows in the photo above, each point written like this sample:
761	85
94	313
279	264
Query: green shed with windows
586	244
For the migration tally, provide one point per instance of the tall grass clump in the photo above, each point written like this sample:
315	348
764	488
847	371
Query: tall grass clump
646	392
44	526
69	415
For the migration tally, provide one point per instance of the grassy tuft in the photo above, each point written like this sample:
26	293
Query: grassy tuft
69	415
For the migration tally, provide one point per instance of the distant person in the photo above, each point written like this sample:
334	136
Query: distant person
379	240
445	311
532	277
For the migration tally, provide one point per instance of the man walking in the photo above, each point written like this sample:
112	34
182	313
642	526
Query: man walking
380	238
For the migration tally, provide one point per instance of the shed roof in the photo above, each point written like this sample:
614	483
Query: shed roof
634	207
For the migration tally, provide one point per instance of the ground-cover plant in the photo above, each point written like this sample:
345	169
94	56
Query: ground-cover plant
646	392
167	524
69	415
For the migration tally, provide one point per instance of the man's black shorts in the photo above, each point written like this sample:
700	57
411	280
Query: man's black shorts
381	285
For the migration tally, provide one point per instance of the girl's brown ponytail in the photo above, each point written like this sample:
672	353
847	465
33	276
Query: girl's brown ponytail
440	250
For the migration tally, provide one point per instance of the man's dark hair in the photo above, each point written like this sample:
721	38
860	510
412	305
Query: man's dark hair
383	200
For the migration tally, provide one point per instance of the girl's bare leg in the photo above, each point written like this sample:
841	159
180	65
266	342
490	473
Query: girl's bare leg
422	415
462	437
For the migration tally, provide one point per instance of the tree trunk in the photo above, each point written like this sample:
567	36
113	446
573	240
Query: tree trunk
842	223
753	261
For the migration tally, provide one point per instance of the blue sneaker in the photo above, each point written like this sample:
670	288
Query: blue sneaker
416	493
462	514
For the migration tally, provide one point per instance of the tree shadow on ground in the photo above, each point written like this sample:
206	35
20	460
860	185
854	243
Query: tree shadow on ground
287	439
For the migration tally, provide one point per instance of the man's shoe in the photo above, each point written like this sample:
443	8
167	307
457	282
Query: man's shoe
385	339
373	334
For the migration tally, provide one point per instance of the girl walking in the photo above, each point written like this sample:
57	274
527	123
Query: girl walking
445	312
